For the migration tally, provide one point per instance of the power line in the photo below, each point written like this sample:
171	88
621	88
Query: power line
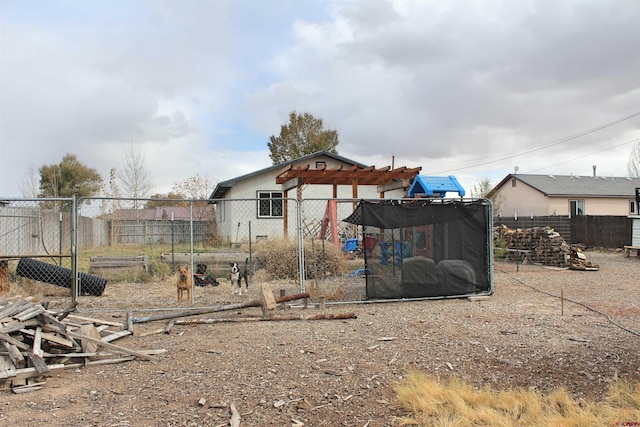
587	155
546	145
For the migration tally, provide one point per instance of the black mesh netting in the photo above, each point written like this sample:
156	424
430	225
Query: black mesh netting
426	248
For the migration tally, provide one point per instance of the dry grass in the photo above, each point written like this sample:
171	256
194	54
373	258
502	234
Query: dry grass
279	257
454	403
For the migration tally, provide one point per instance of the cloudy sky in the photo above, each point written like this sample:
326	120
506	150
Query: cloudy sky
465	88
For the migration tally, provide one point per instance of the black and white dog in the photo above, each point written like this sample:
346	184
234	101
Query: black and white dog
236	276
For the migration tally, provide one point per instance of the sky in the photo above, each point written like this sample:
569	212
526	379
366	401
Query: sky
473	89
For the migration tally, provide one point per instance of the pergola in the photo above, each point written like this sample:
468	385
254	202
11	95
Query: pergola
386	179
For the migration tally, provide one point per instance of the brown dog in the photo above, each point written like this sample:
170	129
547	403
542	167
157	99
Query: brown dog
184	282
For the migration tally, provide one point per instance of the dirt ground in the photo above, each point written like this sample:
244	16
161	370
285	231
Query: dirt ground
342	372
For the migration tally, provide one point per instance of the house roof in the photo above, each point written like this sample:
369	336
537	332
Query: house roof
575	185
435	186
224	186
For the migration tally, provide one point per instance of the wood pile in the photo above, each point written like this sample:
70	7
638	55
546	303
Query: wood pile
547	246
36	342
578	260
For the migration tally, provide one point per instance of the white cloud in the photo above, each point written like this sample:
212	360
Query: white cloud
202	85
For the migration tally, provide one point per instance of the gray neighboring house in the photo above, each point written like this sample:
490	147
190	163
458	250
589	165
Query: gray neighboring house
567	195
236	205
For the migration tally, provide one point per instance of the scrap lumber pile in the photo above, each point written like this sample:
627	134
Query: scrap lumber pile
35	342
578	260
547	246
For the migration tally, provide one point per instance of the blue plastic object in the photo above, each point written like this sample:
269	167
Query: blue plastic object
350	245
435	186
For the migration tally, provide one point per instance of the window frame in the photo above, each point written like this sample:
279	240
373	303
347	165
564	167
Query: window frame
578	204
270	200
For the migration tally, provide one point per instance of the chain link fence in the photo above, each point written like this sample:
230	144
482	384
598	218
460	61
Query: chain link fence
125	254
36	245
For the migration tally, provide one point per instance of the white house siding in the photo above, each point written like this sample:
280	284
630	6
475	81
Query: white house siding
240	206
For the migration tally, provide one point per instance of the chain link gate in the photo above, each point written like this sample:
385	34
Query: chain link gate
333	250
37	247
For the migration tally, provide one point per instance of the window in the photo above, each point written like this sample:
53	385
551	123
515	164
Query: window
320	165
632	207
513	182
269	204
576	207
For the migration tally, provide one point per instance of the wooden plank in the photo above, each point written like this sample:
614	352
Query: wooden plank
38	363
90	345
16	326
51	322
57	339
97	321
111	346
116	335
7	368
14	354
11	340
14	308
29	313
36	353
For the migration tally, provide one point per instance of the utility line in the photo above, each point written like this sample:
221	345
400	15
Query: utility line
543	146
587	155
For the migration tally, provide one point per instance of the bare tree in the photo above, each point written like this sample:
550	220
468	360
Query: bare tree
199	188
113	192
196	187
633	167
481	188
135	178
30	185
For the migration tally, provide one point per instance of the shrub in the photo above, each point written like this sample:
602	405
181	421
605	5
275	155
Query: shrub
279	257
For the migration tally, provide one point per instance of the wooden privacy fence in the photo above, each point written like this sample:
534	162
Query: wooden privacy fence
591	230
602	231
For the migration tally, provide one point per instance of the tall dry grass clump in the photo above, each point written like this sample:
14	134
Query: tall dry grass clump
279	257
454	403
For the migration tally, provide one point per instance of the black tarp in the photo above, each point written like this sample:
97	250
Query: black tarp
456	234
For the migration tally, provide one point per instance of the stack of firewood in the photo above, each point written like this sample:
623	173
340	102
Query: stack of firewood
35	342
578	260
546	245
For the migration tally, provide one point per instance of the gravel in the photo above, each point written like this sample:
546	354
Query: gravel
542	329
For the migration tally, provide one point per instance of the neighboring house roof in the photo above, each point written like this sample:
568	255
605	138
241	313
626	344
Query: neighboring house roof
574	185
224	186
435	186
180	213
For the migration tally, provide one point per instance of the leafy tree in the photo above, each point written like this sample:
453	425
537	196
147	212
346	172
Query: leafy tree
633	167
69	178
302	136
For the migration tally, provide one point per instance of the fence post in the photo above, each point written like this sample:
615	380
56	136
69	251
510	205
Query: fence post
74	249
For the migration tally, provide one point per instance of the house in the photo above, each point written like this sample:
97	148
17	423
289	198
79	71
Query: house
263	203
565	195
